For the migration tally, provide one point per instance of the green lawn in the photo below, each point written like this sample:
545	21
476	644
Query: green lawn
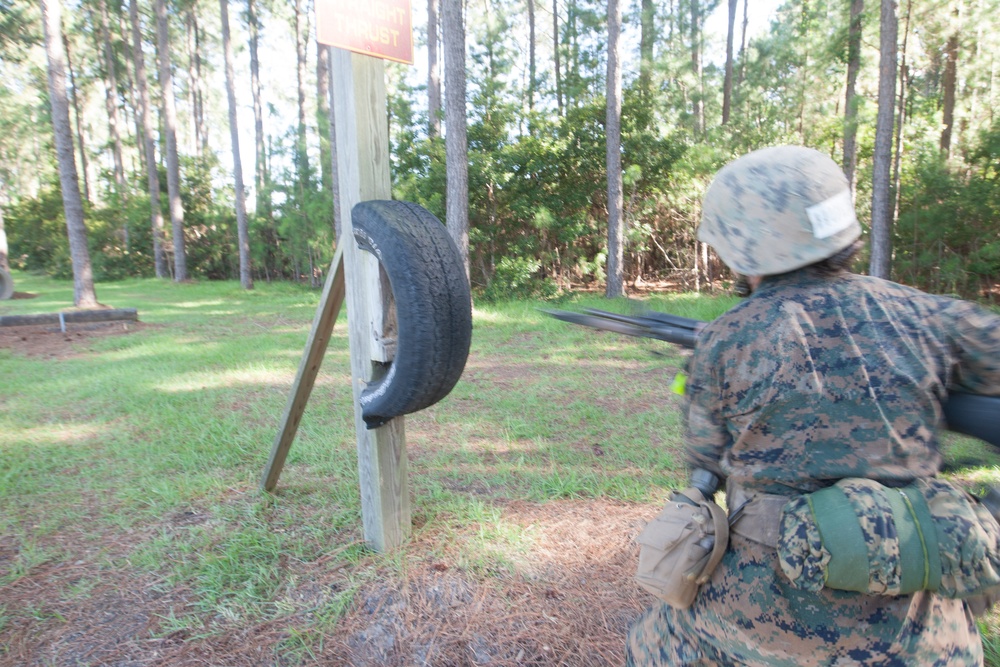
129	471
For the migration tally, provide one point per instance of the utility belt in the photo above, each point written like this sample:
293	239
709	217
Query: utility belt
859	535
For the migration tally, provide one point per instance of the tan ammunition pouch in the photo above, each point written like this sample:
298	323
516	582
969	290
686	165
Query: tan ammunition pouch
755	516
681	547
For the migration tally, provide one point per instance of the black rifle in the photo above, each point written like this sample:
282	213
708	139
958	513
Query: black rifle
969	414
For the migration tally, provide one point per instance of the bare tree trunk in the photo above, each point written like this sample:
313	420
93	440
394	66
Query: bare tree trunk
111	99
880	264
152	177
194	137
613	127
532	68
697	266
4	261
79	119
850	99
334	167
433	71
743	42
200	89
698	110
804	80
555	52
323	117
456	144
262	204
950	81
84	295
199	129
170	130
242	228
706	266
301	35
901	114
131	89
727	87
647	38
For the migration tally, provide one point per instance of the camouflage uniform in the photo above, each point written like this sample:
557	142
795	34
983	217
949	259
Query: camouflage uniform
814	379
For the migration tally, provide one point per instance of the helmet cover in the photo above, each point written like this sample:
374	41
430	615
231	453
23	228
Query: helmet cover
778	209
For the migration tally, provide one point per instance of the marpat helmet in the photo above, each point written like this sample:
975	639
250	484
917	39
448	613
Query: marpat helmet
778	209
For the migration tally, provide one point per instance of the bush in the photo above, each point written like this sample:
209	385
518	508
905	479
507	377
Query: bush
518	278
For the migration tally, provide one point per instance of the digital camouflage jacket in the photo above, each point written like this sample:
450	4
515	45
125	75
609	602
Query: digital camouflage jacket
814	379
811	380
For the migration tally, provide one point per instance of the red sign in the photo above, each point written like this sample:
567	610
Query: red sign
378	28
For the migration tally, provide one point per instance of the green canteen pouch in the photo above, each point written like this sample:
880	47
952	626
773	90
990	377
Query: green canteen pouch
859	535
681	547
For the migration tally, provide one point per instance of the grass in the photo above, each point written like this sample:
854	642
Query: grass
137	459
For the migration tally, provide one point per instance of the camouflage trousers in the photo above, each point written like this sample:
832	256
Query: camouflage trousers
749	615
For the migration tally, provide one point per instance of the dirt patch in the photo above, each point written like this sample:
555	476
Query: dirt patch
53	343
568	600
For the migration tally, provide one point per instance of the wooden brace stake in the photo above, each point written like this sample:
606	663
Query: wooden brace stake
319	338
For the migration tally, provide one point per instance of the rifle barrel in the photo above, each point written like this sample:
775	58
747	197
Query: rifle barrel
969	414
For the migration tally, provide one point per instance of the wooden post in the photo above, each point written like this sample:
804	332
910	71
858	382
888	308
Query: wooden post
319	339
362	140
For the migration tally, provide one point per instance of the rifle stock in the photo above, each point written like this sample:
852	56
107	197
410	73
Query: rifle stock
969	414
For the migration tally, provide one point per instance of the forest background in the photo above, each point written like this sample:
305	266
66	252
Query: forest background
536	111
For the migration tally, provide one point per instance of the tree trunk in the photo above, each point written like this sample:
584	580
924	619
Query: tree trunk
901	113
647	38
323	116
804	79
616	255
334	167
881	228
950	81
200	89
4	260
262	203
851	100
555	54
152	177
131	88
672	28
727	86
242	228
111	99
301	35
434	71
456	144
170	132
84	295
199	129
743	43
79	119
532	69
698	110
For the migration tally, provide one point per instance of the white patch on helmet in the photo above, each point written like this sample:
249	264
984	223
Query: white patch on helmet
832	216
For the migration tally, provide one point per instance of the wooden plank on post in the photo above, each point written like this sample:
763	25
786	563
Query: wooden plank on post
319	339
362	140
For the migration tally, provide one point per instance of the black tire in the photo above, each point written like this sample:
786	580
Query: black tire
433	307
6	285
